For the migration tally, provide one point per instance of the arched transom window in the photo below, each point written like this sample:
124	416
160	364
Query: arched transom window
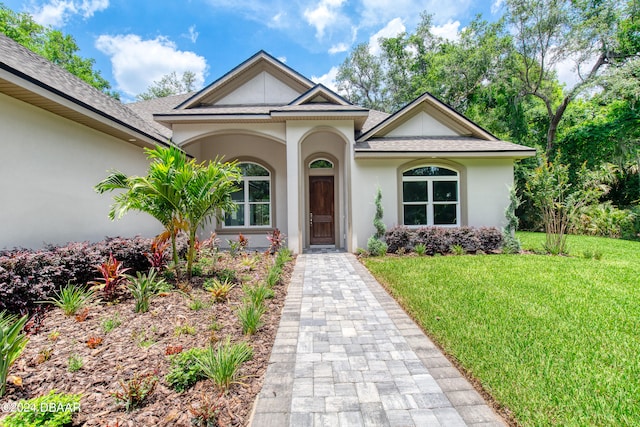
430	196
253	198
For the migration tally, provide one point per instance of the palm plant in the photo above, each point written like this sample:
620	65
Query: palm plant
206	195
12	343
155	194
143	287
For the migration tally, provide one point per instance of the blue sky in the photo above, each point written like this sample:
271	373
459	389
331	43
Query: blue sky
136	42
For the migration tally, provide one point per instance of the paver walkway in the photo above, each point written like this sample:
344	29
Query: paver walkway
346	354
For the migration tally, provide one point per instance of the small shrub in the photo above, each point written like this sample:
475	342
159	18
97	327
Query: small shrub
284	256
219	290
94	342
196	270
420	249
205	414
226	275
458	250
273	276
399	237
111	323
44	355
376	247
112	276
248	263
136	390
82	315
185	329
221	364
12	343
74	363
51	410
71	298
214	325
258	293
156	256
250	316
276	241
184	371
172	349
196	304
143	287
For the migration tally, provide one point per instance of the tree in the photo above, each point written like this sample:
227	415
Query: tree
169	85
360	78
155	194
550	32
180	194
53	45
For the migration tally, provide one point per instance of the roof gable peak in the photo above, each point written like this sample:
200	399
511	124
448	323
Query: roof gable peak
261	79
320	94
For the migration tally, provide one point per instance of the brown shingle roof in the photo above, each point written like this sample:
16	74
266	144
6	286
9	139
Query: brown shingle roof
32	68
146	109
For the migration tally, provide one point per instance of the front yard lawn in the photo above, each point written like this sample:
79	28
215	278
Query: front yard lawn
554	339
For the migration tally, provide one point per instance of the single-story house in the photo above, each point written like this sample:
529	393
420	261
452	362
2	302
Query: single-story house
312	161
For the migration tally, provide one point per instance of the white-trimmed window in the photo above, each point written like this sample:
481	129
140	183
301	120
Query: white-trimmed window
430	196
253	198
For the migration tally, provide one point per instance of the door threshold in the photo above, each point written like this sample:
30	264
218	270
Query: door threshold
322	246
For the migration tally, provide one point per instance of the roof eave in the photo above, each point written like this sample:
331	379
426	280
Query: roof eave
512	154
43	94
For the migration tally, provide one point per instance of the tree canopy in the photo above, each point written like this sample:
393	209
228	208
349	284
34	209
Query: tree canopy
57	47
169	84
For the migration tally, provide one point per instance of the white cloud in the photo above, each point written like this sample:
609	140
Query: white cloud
496	6
392	29
328	79
192	34
338	48
568	72
137	63
282	59
376	12
449	30
326	13
57	12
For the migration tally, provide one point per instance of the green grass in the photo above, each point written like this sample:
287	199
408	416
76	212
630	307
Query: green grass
553	338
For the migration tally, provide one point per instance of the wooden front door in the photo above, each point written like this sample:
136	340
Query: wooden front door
321	212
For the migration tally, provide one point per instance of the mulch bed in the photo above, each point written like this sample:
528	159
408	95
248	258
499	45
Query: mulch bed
138	345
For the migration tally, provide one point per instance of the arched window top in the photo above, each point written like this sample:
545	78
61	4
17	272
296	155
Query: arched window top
252	169
321	164
427	171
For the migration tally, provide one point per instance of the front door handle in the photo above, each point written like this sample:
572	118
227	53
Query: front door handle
310	218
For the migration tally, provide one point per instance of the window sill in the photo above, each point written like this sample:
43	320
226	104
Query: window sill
245	230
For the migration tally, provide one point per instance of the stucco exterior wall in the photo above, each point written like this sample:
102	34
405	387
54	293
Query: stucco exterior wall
484	189
258	149
49	167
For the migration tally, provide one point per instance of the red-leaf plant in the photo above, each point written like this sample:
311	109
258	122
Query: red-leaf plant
276	239
156	256
112	272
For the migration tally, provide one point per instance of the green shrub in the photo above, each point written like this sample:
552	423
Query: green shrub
273	276
226	275
74	363
51	410
250	316
603	220
219	289
420	249
71	298
111	323
258	293
376	247
143	287
184	371
221	364
457	250
12	343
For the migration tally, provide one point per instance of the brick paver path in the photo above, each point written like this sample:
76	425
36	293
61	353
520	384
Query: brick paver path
347	355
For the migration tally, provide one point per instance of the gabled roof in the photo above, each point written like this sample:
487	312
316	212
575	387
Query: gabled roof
29	77
434	107
244	72
320	94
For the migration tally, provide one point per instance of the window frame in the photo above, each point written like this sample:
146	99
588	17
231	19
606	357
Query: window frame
245	182
430	202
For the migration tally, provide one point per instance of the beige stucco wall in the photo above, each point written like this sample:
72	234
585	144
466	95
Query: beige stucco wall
484	189
49	166
249	147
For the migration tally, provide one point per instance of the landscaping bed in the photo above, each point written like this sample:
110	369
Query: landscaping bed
138	343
